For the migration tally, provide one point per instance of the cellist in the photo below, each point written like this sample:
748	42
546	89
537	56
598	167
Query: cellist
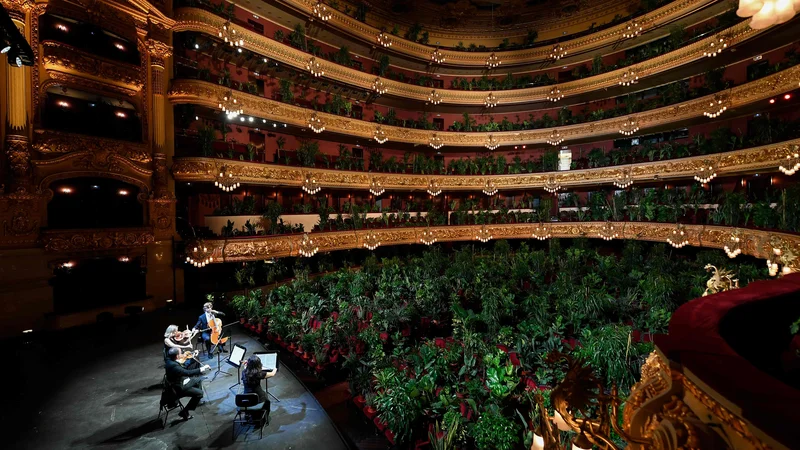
203	324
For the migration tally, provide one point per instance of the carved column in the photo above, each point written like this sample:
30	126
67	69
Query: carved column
161	205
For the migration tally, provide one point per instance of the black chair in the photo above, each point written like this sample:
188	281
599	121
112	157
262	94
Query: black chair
169	400
249	412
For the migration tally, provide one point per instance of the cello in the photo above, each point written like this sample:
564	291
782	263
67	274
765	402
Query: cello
216	332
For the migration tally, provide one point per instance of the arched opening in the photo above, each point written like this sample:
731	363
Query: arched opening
94	203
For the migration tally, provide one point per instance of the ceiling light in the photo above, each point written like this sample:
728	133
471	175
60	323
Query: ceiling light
766	13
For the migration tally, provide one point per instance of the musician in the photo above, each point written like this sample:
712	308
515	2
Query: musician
174	338
208	316
251	380
185	381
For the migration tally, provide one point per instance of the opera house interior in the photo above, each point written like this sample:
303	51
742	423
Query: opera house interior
396	224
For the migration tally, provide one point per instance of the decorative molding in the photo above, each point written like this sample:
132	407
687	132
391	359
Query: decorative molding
198	20
764	158
20	214
62	57
61	241
261	247
48	142
609	36
206	94
19	155
96	160
57	78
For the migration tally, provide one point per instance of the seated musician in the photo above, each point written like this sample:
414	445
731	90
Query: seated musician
174	338
251	380
203	325
186	382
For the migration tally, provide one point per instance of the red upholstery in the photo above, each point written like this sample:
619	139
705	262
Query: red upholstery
695	342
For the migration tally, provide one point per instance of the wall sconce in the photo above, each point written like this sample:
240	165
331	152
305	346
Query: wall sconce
322	12
608	232
551	184
379	86
493	61
435	141
491	142
371	241
706	172
123	192
437	56
62	104
489	188
314	67
228	34
384	39
121	114
434	98
623	179
541	232
484	235
199	255
555	138
679	237
380	135
66	190
62	27
555	94
792	162
427	237
307	247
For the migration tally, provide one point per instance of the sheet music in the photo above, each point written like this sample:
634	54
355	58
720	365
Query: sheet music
269	361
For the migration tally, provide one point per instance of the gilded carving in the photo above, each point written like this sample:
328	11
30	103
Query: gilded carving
20	216
93	240
724	415
61	56
54	142
193	19
57	78
353	27
19	156
766	157
205	93
259	247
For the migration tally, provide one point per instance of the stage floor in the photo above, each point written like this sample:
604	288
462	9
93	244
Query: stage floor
110	398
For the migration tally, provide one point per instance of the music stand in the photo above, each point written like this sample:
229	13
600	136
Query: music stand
235	359
218	351
269	360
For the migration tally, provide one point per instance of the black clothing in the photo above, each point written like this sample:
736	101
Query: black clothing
255	388
176	373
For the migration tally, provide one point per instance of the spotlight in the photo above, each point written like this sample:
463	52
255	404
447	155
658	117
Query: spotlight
772	101
787	96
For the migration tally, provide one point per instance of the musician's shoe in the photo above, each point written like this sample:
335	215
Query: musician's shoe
224	350
185	415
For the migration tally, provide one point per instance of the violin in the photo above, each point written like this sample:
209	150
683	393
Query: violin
187	355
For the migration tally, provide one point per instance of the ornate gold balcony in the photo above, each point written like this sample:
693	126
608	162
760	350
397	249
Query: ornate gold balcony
93	240
737	162
205	94
754	242
360	30
198	20
61	59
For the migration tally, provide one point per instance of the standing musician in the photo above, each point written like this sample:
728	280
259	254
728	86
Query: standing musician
185	381
203	323
182	340
251	380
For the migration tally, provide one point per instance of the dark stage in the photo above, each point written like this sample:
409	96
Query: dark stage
100	388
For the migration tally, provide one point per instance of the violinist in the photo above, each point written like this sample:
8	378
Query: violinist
186	382
182	340
203	324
